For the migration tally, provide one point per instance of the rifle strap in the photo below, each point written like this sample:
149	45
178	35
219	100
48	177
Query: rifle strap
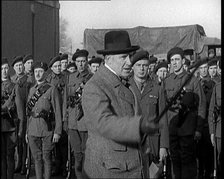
38	93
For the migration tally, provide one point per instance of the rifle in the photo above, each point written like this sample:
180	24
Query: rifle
28	162
69	162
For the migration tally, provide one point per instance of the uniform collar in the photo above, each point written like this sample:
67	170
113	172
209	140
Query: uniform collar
180	75
83	73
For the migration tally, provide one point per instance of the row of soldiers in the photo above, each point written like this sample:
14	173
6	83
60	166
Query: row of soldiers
50	117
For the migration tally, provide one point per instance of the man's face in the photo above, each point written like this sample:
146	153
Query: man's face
185	67
203	70
94	67
19	68
64	64
211	55
151	67
161	73
5	71
28	65
212	70
140	69
56	67
176	62
39	74
71	69
81	63
121	64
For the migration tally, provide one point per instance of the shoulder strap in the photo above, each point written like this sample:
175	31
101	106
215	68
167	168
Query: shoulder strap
38	93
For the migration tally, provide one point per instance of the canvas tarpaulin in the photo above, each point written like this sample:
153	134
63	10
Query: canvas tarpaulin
156	40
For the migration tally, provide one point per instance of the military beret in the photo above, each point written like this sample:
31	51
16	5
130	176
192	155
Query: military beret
80	53
64	56
27	57
72	64
152	59
140	55
39	65
17	59
174	51
187	62
4	60
95	60
53	60
213	61
161	65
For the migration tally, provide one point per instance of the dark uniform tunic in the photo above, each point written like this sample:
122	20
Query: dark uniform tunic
59	81
152	102
10	96
182	126
216	130
38	131
72	114
24	85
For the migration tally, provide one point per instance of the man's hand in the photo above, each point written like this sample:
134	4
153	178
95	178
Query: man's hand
162	154
56	138
213	139
197	136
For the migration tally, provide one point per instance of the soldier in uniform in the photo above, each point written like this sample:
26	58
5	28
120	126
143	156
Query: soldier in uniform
204	146
11	104
185	117
21	79
43	130
58	79
27	62
152	64
72	67
72	111
212	70
94	64
64	63
161	71
214	121
152	101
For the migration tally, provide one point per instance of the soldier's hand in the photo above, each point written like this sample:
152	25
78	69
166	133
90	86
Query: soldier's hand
26	138
213	139
162	154
148	126
56	138
197	136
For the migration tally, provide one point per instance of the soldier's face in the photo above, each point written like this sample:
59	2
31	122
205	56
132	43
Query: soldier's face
94	67
161	73
19	68
203	70
81	63
140	68
56	67
64	64
5	71
176	62
28	65
39	74
212	70
151	67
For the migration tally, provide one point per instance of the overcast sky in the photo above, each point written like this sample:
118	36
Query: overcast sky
131	13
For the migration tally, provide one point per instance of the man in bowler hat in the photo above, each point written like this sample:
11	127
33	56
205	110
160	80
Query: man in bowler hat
112	115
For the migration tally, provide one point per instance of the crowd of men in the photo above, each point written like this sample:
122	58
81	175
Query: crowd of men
108	111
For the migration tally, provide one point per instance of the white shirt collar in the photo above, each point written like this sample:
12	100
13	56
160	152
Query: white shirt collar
110	69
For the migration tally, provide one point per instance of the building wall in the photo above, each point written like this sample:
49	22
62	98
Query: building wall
30	29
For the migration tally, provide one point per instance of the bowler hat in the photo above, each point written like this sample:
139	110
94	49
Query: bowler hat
95	60
64	56
80	53
4	60
117	42
53	60
174	51
17	59
143	54
27	57
161	65
39	65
